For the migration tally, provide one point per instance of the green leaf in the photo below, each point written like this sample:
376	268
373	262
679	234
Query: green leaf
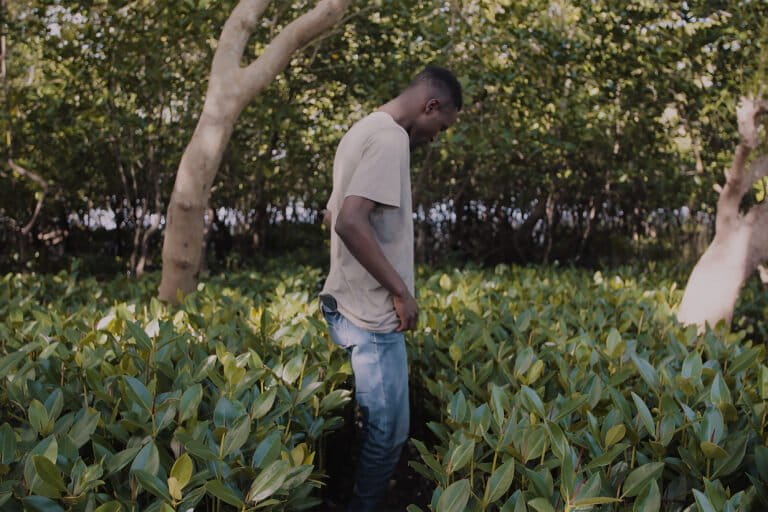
645	415
737	448
293	369
182	470
200	450
334	400
541	480
499	403
227	412
455	497
205	368
641	477
267	451
541	505
236	437
174	488
268	481
615	434
54	404
138	393
138	334
457	407
7	444
746	360
48	472
480	420
460	456
297	476
9	362
703	502
189	402
217	489
761	461
110	506
762	381
692	366
532	401
500	481
598	500
153	484
307	392
567	476
719	392
712	451
569	406
649	500
119	460
647	372
40	504
148	459
83	429
38	417
614	344
455	352
264	402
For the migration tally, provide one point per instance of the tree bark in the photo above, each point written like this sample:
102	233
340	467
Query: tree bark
741	240
27	228
230	89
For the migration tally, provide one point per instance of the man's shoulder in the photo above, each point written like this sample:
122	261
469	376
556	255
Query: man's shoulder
380	126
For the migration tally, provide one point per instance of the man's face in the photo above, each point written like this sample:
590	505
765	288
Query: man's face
434	118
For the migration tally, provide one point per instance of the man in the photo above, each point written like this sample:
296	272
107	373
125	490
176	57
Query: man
368	297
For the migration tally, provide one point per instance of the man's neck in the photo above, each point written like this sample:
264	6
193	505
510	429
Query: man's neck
398	108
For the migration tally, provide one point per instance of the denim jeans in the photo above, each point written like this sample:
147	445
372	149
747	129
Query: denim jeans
380	367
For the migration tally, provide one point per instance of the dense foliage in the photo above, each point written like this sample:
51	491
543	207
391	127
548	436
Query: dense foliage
127	404
544	389
588	124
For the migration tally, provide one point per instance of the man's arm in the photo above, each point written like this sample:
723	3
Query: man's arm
355	230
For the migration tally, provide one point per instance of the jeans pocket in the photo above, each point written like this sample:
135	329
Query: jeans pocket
332	317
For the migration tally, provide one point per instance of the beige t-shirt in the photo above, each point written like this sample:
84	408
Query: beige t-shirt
372	161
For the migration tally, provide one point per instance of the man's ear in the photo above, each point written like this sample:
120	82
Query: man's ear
432	105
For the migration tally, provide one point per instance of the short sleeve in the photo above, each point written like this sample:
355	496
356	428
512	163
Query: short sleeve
377	176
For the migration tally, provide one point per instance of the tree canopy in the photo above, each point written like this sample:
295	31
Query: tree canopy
590	127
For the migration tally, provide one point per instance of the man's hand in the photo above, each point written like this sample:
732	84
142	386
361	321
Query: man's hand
407	311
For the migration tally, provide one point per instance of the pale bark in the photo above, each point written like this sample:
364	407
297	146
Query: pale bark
26	173
741	240
230	89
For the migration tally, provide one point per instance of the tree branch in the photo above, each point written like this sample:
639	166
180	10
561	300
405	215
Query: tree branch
234	36
296	34
737	181
40	181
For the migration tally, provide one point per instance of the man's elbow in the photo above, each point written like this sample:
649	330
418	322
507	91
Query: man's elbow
344	227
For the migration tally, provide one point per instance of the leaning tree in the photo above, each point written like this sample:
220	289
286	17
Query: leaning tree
230	88
741	237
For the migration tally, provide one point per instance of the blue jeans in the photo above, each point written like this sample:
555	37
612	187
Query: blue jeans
380	367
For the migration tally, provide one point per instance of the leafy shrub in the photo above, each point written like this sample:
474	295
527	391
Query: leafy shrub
136	406
559	390
547	389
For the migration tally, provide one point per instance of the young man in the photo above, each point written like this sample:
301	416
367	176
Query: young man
368	297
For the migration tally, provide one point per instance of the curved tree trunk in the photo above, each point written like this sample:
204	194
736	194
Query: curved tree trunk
230	89
741	240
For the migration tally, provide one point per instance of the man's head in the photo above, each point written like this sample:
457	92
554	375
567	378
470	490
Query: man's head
436	96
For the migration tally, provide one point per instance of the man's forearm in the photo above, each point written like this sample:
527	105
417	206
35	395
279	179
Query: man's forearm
359	238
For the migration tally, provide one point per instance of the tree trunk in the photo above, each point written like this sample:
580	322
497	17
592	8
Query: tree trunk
230	89
741	240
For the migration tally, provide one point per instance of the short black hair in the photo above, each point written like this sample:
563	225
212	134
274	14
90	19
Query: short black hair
443	80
